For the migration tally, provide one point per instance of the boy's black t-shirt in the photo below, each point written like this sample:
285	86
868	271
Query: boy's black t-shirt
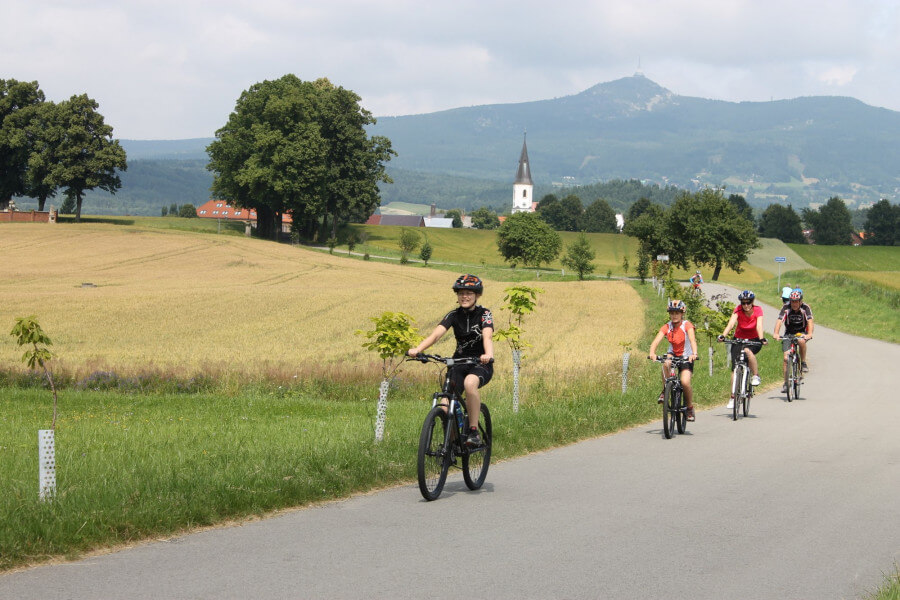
467	327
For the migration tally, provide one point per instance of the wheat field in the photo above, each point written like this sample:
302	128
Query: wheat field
188	303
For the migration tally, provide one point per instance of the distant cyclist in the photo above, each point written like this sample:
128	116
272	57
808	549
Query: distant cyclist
696	280
785	294
473	326
682	344
798	321
749	320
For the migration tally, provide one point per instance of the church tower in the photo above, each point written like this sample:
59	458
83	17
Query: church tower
523	187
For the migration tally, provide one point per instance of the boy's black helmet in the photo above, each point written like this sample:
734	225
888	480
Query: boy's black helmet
468	282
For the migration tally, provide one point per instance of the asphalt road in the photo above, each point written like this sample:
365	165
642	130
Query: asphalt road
799	500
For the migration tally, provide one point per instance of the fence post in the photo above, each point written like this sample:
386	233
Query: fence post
625	372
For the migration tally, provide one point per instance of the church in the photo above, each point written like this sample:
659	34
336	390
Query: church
523	187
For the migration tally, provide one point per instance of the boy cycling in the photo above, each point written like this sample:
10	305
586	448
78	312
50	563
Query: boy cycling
682	344
473	327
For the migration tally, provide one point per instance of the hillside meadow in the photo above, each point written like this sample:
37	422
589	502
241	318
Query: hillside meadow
182	302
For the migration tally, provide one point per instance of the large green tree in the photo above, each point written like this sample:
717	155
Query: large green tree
707	229
883	224
831	224
525	238
299	146
782	223
16	97
84	155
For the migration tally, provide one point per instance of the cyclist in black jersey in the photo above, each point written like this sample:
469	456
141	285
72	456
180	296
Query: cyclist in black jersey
473	327
797	318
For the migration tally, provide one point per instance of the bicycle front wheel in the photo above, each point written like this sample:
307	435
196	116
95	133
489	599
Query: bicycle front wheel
795	376
737	387
680	411
476	461
746	402
669	410
434	453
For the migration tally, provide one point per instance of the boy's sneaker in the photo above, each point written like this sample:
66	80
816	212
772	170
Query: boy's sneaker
730	403
473	440
804	367
784	389
662	396
755	380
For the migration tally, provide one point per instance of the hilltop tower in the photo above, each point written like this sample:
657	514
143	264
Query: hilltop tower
523	187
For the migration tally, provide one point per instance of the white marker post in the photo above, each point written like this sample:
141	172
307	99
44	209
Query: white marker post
47	462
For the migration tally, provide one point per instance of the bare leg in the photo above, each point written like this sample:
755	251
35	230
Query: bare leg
473	399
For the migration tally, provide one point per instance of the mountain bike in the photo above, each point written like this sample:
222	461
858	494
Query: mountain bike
741	389
674	409
793	374
444	432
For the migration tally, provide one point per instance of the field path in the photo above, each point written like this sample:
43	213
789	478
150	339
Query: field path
798	501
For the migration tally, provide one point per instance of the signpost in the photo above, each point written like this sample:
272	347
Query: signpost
779	260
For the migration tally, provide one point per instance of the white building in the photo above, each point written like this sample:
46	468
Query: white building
523	187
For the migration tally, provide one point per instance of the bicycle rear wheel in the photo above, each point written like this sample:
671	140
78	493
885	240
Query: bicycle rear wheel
476	461
746	402
434	453
669	410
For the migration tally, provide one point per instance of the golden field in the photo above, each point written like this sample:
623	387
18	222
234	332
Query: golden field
191	303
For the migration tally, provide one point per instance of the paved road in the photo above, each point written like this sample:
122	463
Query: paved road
798	501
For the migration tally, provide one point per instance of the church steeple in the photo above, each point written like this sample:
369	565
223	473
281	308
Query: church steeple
523	174
523	186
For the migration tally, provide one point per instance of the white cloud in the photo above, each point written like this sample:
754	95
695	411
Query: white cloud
173	69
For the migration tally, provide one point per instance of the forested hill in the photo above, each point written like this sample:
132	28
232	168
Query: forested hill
799	151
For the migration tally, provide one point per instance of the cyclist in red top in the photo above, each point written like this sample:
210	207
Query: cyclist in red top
749	320
682	344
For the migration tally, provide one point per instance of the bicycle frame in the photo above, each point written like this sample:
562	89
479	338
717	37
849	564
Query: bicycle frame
792	373
741	389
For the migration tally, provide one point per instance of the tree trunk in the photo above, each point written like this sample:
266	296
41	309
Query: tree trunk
718	269
78	200
41	202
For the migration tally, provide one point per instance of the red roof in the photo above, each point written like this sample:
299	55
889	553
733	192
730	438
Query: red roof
219	209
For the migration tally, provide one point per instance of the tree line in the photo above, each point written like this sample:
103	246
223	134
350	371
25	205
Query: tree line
47	147
832	224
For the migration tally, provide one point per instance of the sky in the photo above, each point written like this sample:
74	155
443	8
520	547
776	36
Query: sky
166	69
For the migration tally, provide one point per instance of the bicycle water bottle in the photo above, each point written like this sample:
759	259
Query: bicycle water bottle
459	416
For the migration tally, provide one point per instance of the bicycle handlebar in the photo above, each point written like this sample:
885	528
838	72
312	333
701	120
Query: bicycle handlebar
741	341
447	360
676	360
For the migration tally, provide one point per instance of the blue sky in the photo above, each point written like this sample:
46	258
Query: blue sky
163	69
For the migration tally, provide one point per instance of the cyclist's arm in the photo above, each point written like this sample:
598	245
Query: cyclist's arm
777	328
654	344
438	332
760	330
488	339
809	328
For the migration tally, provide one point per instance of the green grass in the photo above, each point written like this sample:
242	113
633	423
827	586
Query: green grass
890	589
843	302
850	258
196	225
